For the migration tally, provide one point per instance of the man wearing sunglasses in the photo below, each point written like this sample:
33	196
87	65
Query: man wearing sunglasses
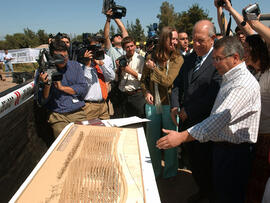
64	98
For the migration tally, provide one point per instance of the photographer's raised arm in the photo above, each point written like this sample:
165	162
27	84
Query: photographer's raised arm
238	18
261	29
108	43
220	14
121	27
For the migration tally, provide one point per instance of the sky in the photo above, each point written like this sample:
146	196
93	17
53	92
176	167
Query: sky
78	16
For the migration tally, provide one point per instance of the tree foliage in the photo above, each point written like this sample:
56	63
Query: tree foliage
112	30
167	16
187	19
27	39
136	31
183	21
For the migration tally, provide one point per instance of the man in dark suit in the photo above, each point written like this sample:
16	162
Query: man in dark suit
195	90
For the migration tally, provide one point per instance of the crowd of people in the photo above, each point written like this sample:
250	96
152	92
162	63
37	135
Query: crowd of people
211	100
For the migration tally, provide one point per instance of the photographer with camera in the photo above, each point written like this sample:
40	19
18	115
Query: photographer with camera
65	38
244	29
260	28
113	45
63	96
97	72
131	67
114	49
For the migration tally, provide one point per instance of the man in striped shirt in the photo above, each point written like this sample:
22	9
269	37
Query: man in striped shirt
232	125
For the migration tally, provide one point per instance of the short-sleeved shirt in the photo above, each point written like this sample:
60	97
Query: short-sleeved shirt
7	57
115	53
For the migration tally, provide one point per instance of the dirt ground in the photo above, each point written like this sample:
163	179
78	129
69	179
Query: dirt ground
4	85
177	189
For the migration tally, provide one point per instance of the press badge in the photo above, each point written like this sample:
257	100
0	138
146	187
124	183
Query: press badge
75	100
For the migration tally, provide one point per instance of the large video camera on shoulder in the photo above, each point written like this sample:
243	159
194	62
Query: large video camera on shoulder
118	11
47	64
79	49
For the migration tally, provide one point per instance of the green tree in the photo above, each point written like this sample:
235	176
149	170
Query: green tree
186	19
77	38
167	16
136	31
31	38
183	21
42	36
15	41
112	30
101	31
3	45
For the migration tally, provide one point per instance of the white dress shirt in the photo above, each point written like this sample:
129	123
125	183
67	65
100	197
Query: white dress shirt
236	112
90	73
129	82
7	57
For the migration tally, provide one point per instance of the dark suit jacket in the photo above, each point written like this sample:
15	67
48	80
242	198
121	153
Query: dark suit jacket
196	94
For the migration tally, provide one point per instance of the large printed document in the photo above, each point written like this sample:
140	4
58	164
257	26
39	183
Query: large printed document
93	164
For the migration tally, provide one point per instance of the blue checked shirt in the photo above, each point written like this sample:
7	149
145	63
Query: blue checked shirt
61	102
236	112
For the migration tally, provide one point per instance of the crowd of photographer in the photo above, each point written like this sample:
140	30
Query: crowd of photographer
199	85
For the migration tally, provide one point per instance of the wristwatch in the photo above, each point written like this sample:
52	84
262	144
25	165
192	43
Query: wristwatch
243	23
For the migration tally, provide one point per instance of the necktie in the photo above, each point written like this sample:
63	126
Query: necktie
102	83
197	63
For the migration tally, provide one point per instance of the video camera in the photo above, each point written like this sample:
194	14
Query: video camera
123	61
118	11
251	12
79	49
47	64
152	40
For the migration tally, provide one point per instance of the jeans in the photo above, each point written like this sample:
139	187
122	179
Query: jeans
153	133
8	67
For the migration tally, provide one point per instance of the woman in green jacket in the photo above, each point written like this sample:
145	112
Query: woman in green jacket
160	70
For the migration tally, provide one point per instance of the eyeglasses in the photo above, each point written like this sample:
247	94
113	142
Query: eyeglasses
218	59
183	38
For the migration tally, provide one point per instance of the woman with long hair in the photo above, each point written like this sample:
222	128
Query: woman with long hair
257	56
161	68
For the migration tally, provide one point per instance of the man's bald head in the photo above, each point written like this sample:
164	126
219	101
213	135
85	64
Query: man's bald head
203	37
205	25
